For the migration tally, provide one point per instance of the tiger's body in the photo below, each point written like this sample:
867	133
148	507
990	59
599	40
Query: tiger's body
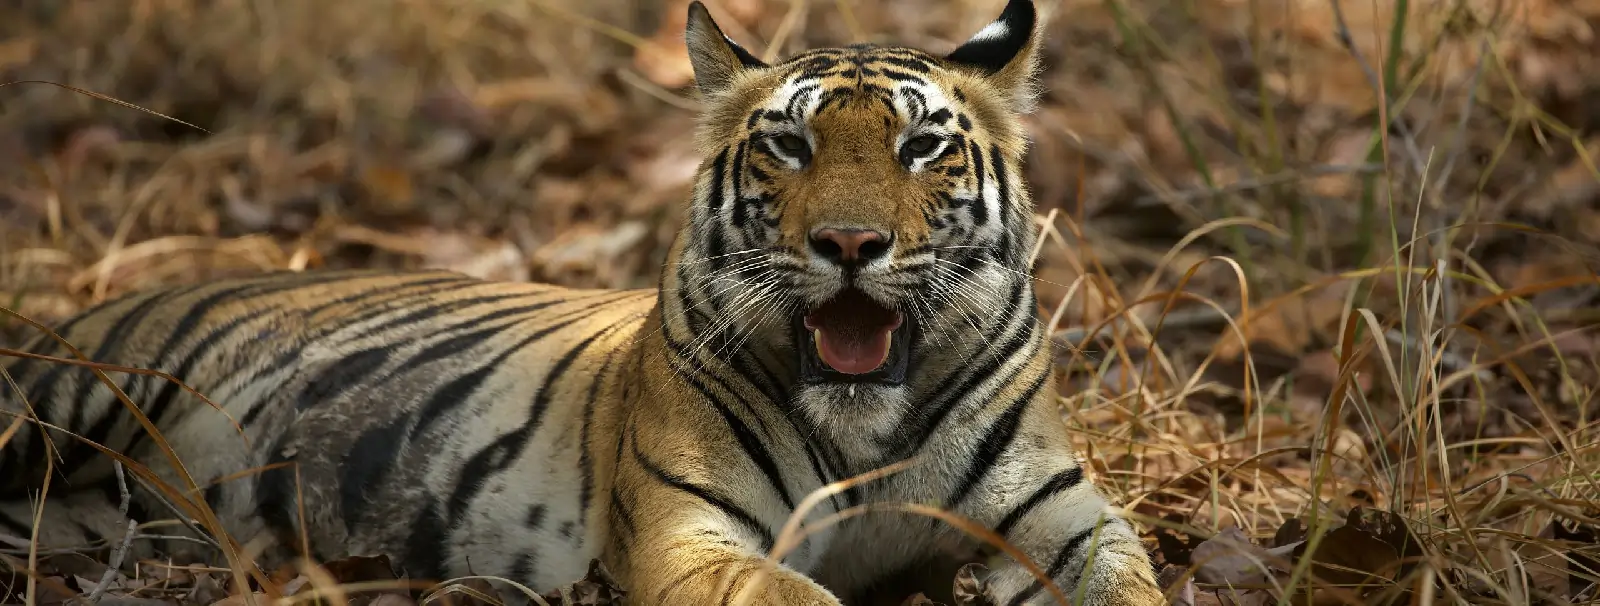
851	290
361	379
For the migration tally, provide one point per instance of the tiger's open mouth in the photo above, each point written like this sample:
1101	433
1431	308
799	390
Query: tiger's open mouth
853	339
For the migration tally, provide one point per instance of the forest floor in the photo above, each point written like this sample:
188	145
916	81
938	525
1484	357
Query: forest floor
1378	384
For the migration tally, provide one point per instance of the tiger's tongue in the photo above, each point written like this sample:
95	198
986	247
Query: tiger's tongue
853	343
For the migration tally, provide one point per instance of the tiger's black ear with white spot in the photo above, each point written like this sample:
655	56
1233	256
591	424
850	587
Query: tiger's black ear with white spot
1006	52
715	58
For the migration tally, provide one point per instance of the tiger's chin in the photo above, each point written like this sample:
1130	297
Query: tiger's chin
859	419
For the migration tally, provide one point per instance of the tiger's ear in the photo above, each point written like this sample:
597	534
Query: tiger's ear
715	58
1005	52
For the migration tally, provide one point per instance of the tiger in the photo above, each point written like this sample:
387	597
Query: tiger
850	290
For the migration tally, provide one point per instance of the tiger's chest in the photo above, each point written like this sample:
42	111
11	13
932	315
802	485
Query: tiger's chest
882	557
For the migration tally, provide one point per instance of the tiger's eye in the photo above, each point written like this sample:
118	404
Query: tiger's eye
922	144
791	144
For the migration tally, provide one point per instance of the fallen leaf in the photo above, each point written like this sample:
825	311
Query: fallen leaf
1389	528
666	61
454	107
1545	571
1318	372
1288	325
587	248
501	261
205	590
86	143
1176	547
1292	531
389	189
1184	596
596	588
248	213
486	258
17	51
1231	558
328	163
54	590
1171	575
1351	557
444	147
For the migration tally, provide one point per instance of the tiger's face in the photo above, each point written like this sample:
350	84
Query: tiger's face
865	201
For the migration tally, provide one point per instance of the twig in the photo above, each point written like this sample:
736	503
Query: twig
1346	39
200	533
1511	474
114	565
635	80
1449	361
123	495
172	537
127	537
1447	293
1467	105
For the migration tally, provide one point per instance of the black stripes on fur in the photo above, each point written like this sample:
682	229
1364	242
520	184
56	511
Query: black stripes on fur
740	515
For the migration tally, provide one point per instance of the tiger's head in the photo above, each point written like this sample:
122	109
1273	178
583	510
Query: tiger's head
863	204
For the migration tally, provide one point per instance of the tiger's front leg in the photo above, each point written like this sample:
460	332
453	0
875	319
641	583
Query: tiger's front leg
1093	556
1094	560
686	530
1036	496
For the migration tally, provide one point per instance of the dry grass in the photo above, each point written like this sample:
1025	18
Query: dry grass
1285	300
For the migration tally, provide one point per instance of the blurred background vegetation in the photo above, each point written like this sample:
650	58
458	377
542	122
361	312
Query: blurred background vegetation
1394	202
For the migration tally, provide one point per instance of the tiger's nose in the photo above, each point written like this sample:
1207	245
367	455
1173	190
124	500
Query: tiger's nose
850	246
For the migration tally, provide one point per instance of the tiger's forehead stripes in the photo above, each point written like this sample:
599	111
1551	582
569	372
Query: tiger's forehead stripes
903	81
925	94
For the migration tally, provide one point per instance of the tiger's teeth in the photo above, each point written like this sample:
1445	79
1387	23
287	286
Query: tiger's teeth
816	341
887	350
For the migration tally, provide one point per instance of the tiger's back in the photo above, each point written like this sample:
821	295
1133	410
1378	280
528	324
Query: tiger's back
414	406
